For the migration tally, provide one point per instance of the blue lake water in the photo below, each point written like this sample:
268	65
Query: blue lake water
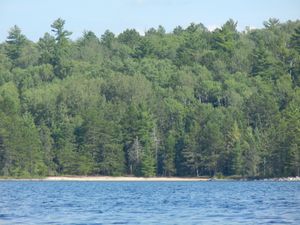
57	202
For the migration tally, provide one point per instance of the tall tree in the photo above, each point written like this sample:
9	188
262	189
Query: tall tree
16	42
169	155
295	39
61	50
225	38
47	49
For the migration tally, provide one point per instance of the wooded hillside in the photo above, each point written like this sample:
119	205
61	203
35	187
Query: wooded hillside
186	103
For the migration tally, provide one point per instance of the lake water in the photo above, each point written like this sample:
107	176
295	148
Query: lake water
57	202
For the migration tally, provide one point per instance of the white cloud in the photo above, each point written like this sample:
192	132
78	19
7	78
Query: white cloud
141	31
249	28
212	27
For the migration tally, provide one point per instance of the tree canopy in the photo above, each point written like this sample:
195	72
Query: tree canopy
191	102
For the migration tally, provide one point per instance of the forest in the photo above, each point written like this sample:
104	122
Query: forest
190	102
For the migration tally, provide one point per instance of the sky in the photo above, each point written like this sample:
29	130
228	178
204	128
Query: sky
34	17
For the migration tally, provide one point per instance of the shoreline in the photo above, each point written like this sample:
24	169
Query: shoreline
151	179
107	178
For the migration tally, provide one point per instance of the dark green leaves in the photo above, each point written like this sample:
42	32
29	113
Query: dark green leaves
187	103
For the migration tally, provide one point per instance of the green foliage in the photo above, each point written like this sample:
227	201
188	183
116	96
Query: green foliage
187	103
129	37
9	99
225	38
16	41
60	60
46	46
21	147
89	48
107	39
169	155
295	40
272	23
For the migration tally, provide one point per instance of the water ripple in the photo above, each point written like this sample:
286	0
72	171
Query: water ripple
149	202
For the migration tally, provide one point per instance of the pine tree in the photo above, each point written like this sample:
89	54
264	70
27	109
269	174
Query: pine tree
16	41
169	155
134	157
61	50
295	39
148	165
192	154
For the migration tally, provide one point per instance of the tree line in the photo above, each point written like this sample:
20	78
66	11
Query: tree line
191	102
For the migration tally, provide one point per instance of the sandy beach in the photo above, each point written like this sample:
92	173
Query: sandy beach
124	178
109	178
106	178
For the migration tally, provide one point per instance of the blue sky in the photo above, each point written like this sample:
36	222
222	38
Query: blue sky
34	17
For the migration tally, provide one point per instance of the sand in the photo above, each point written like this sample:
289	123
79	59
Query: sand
109	178
106	178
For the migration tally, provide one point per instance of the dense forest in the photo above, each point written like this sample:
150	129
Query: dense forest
191	102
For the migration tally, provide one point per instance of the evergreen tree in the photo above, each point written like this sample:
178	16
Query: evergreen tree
61	50
295	39
16	42
186	103
169	155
